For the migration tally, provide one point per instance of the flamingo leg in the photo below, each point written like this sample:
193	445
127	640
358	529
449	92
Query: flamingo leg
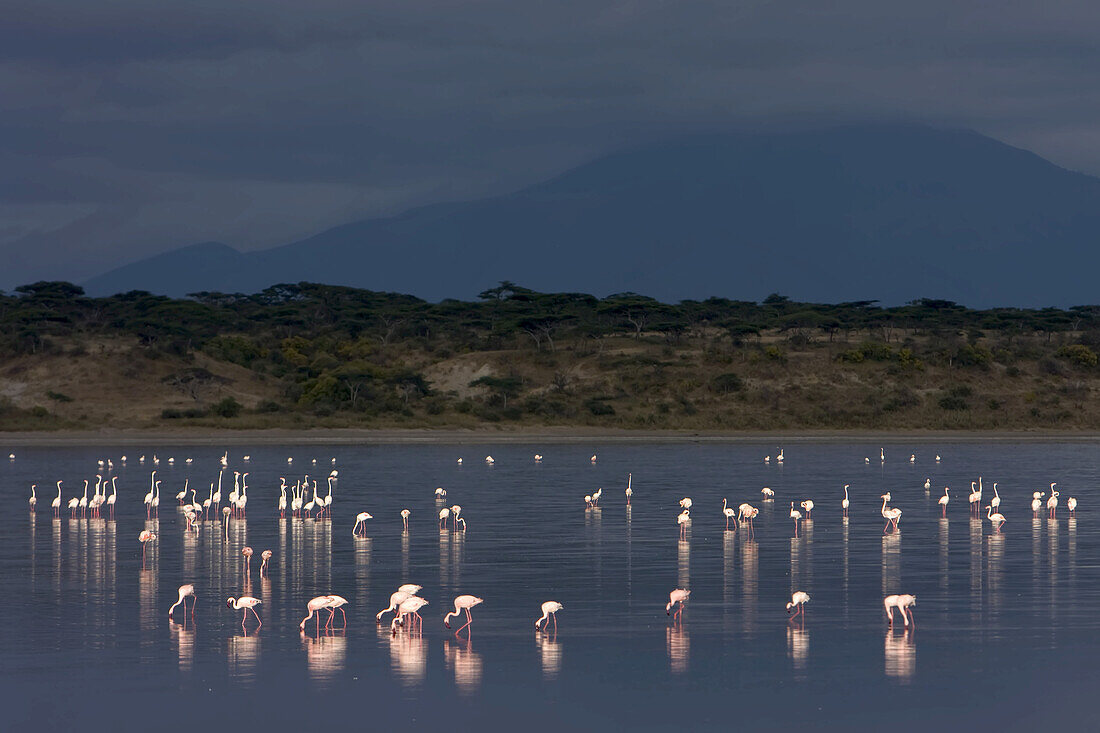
258	619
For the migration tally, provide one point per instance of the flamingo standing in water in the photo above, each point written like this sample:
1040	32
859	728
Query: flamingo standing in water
975	498
549	611
799	599
34	498
396	598
927	484
245	603
808	505
314	606
185	591
747	512
405	518
1036	503
265	555
629	491
730	514
797	517
337	603
995	502
462	603
56	503
408	607
844	504
145	537
677	598
683	519
903	603
114	495
890	514
995	519
768	494
1052	502
247	552
1071	504
945	499
444	513
360	520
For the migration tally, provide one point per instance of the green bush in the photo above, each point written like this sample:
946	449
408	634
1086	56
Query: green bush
58	396
228	407
726	383
1079	354
599	407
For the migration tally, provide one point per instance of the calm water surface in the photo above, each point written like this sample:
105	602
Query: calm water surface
1006	631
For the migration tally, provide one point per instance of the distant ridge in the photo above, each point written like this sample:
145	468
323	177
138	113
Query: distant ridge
892	212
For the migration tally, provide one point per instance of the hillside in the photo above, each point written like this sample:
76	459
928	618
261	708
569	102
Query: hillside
300	356
883	212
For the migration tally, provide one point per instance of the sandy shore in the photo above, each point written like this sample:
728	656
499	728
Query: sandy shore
547	435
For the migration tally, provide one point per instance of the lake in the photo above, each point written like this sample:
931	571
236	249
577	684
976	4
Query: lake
1005	622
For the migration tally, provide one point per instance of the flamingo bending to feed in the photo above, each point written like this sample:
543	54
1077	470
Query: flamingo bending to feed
768	493
903	603
265	555
408	607
314	607
405	518
677	598
549	611
799	599
746	513
247	552
185	592
360	520
145	537
445	512
995	519
396	599
462	603
245	603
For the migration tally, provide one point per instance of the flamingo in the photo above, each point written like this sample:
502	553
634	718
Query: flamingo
683	519
767	459
903	603
768	493
405	518
185	591
336	603
56	503
145	537
975	498
927	484
315	605
890	514
1052	502
247	552
808	505
360	519
593	458
913	458
445	512
409	606
396	599
882	455
797	517
460	461
455	511
34	498
678	596
549	611
156	499
779	456
588	500
995	502
747	512
629	491
685	502
799	599
266	556
945	499
844	504
245	603
83	503
538	458
1036	504
440	494
488	459
995	519
462	603
1071	504
728	511
282	498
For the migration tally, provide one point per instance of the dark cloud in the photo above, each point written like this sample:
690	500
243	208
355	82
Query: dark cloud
131	127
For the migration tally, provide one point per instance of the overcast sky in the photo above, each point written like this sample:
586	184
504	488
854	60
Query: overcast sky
128	129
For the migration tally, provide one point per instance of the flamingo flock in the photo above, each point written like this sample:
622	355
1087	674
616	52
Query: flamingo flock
305	499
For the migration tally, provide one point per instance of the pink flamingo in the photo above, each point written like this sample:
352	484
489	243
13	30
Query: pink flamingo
408	607
247	552
315	605
405	518
266	555
145	537
797	517
549	611
401	594
336	603
904	603
185	591
462	603
247	603
799	599
678	596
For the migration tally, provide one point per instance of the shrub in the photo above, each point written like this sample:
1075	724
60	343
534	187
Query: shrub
267	406
1079	354
58	396
726	383
599	407
952	402
228	407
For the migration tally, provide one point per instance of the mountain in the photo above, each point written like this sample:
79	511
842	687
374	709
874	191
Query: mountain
892	212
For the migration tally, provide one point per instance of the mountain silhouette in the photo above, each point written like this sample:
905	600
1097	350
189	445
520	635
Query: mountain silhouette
887	212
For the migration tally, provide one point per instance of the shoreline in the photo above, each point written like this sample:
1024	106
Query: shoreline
356	436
